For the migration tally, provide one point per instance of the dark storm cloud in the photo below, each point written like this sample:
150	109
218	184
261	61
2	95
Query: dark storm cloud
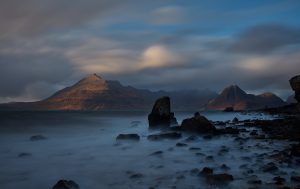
20	71
266	38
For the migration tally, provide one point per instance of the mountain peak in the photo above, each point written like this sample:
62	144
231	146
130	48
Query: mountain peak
94	77
233	90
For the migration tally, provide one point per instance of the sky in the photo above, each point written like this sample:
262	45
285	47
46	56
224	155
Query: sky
46	45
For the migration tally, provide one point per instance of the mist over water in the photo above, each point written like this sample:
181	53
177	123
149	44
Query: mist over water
82	146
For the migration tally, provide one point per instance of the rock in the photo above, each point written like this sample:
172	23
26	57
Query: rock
270	167
206	171
194	149
279	180
133	137
295	150
179	144
197	124
24	154
156	153
194	171
191	138
66	184
37	137
161	115
136	176
235	120
295	84
228	130
167	135
219	178
295	178
229	109
225	167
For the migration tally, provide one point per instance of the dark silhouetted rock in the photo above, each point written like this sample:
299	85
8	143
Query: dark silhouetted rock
206	171
295	178
24	154
228	130
161	115
219	178
270	167
279	180
156	153
229	109
235	120
179	144
66	184
134	137
37	137
197	124
167	135
295	150
295	84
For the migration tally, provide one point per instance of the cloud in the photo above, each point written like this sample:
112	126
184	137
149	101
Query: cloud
39	16
167	15
158	56
266	38
21	72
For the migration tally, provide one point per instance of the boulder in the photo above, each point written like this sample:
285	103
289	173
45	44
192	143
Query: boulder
66	184
197	124
219	178
229	109
161	115
134	137
37	137
295	84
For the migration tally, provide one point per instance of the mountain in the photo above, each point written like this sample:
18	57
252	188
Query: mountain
96	93
234	96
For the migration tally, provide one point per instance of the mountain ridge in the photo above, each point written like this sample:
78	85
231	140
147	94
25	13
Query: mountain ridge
233	96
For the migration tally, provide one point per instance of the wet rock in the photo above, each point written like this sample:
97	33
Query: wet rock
209	158
24	154
229	109
194	149
270	167
197	124
157	153
136	176
295	150
228	130
235	120
222	178
254	181
295	178
179	144
37	137
66	184
167	135
161	115
253	133
279	180
295	84
191	138
133	137
225	167
206	171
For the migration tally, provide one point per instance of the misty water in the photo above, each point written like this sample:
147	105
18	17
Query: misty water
82	147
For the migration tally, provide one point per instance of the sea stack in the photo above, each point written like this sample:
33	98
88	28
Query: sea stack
295	84
161	115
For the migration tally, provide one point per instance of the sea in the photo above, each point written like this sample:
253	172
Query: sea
82	146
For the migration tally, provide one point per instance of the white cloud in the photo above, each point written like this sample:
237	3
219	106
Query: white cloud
159	56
